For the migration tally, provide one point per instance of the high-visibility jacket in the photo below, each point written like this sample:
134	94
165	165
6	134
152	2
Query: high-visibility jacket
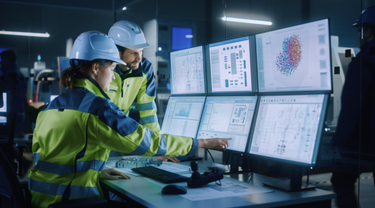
73	138
137	84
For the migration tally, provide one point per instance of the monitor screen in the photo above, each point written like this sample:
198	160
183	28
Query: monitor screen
230	67
182	116
187	71
295	58
289	127
3	109
182	37
228	117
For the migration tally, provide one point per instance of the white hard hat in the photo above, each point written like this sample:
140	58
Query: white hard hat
128	34
95	45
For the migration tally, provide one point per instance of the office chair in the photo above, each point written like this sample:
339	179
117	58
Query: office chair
7	136
14	194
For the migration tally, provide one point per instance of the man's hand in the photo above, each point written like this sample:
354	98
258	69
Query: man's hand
166	159
217	143
112	174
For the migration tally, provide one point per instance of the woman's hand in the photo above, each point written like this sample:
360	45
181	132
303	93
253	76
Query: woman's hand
112	174
217	143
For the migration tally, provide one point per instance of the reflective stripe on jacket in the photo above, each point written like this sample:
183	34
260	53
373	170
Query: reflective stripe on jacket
137	84
73	138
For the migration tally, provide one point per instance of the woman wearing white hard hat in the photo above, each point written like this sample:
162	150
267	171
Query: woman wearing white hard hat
76	131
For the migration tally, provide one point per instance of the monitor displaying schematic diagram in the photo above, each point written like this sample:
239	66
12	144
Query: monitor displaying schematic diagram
182	115
230	66
296	58
228	117
187	71
288	128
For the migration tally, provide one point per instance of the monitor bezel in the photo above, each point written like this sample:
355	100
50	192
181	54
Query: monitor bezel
253	70
204	73
313	91
318	137
184	96
252	122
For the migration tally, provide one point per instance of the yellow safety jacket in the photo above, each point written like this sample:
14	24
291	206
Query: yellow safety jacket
137	84
73	138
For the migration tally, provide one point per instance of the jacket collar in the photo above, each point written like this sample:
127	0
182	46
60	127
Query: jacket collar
91	85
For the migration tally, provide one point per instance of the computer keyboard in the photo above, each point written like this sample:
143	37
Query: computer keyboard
160	175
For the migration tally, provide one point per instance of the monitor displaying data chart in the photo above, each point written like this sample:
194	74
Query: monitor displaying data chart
187	71
296	58
182	116
230	67
228	117
288	128
3	109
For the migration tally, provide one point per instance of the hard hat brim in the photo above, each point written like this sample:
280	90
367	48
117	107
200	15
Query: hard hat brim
136	47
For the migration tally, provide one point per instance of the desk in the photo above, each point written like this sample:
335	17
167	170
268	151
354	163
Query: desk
144	193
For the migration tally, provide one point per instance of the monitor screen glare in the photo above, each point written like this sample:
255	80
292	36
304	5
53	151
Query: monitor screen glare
295	58
230	65
3	119
182	116
187	72
287	127
228	117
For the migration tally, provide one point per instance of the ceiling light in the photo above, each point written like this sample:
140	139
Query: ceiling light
124	8
30	34
249	21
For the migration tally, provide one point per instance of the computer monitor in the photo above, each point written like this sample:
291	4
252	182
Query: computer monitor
296	58
182	37
230	66
182	116
228	117
3	109
288	128
187	71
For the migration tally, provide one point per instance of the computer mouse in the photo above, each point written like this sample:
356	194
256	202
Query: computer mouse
173	189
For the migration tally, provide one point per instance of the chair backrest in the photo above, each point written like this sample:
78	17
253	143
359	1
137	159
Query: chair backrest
11	194
7	135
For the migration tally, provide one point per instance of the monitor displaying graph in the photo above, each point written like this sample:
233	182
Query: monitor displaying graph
288	128
230	67
228	117
187	71
295	58
182	115
3	109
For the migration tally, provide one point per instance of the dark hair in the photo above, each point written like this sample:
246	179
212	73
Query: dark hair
68	75
121	49
8	56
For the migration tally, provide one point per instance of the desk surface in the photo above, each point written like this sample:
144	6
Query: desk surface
147	193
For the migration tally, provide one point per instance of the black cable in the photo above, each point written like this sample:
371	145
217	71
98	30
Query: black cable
210	155
219	184
308	176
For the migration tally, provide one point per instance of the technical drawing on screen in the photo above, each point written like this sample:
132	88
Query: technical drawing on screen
289	127
230	65
187	71
295	58
228	117
182	115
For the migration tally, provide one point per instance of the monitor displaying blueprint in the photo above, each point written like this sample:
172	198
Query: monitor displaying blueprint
296	58
230	67
182	116
228	117
187	71
288	128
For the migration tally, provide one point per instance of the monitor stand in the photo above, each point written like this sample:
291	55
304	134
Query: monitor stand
236	161
294	184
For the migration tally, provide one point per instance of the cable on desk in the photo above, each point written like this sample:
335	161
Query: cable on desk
219	184
210	155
